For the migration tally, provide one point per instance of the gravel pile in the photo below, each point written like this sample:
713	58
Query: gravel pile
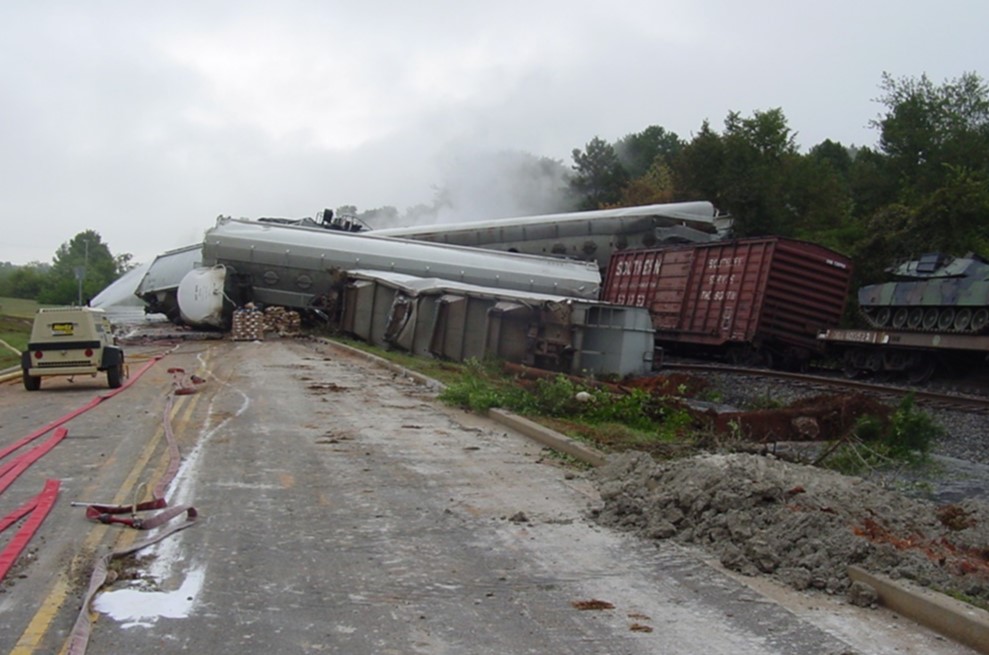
800	524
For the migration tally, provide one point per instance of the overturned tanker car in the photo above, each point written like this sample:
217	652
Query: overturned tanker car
304	268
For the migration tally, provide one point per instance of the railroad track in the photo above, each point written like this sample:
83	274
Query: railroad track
944	400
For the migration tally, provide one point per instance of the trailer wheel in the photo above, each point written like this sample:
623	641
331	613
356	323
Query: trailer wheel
114	376
32	382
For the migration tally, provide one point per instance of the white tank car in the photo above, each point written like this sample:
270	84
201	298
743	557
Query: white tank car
200	296
293	266
588	235
159	285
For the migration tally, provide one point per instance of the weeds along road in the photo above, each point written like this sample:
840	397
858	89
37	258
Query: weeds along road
343	510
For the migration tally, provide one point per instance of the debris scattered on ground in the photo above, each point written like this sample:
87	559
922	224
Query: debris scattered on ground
593	604
800	524
247	324
284	322
326	386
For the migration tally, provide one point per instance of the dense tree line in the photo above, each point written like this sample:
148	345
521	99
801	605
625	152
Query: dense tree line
85	256
924	187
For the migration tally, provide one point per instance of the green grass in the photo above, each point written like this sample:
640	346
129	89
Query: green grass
610	418
18	307
16	316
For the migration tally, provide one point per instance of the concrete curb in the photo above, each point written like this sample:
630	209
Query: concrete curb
531	429
958	621
549	438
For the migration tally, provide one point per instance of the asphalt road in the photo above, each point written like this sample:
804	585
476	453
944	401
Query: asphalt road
343	510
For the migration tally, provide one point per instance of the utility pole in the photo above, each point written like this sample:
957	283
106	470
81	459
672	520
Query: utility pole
80	272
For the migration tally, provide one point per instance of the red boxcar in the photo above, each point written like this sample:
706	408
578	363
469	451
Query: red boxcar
757	299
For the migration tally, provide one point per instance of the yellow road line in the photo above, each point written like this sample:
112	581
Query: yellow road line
32	636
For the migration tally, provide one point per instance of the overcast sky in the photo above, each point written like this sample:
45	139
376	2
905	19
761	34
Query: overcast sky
144	121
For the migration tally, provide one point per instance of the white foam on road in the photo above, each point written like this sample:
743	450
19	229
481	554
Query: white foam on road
143	607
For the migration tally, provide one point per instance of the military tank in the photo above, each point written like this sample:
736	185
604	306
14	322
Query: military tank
936	293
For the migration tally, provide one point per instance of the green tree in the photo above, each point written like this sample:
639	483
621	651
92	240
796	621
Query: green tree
817	195
926	128
835	155
697	169
758	151
655	186
871	183
639	152
955	218
744	171
85	253
24	281
600	176
886	239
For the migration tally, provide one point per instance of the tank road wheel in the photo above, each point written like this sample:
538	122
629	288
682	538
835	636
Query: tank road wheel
900	318
930	318
883	316
963	319
980	319
946	320
916	318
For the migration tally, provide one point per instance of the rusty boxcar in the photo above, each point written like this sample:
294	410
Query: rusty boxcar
756	300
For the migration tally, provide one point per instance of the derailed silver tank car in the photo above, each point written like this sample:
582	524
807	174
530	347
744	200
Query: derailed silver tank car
588	235
298	267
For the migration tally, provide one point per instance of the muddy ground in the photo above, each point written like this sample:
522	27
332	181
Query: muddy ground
800	524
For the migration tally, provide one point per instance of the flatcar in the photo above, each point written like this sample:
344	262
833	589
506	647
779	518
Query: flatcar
933	315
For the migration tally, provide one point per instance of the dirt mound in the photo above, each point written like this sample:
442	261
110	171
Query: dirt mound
800	524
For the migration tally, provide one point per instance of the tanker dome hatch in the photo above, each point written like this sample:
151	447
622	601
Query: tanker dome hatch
325	219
